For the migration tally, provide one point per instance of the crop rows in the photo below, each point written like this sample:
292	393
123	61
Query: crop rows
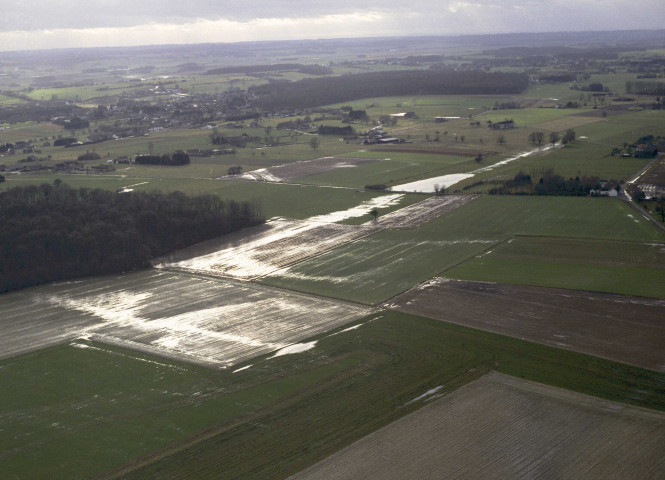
499	427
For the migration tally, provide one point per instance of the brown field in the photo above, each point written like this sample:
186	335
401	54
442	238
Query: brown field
501	427
655	175
618	327
206	321
422	212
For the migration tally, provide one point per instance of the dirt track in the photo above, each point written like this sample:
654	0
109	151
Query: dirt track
618	327
500	427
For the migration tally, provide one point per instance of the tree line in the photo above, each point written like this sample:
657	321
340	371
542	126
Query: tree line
177	158
313	92
643	87
549	184
54	232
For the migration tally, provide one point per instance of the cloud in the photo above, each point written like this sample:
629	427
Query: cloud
36	24
352	24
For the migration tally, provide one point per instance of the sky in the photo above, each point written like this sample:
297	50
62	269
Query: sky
43	24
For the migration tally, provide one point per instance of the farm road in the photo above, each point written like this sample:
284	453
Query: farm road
618	327
501	427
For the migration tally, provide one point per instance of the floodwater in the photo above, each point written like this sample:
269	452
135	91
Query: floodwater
264	254
446	181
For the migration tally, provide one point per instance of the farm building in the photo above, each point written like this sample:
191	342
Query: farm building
503	125
645	151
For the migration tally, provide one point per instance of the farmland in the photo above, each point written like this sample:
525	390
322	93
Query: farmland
435	328
184	317
475	431
388	262
620	327
306	405
572	263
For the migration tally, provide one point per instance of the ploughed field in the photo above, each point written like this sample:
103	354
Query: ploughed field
502	427
619	327
208	321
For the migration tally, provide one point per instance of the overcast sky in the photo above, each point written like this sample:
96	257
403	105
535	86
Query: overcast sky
38	24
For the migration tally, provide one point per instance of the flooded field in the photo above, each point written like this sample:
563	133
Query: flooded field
422	212
264	249
207	321
260	251
502	427
281	243
429	185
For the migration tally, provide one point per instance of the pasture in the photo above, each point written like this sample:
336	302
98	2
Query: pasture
575	160
599	265
388	170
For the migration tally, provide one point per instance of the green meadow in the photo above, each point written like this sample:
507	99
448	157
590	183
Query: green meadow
598	265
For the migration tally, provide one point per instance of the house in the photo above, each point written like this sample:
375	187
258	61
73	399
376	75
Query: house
612	192
503	125
645	151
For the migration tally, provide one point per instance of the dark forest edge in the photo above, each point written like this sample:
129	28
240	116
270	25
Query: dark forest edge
54	232
315	92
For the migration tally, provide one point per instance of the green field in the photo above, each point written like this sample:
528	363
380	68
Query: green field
275	199
389	171
529	117
614	130
574	160
597	265
110	405
377	267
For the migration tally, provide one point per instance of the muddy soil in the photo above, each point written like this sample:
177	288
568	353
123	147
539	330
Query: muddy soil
618	327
